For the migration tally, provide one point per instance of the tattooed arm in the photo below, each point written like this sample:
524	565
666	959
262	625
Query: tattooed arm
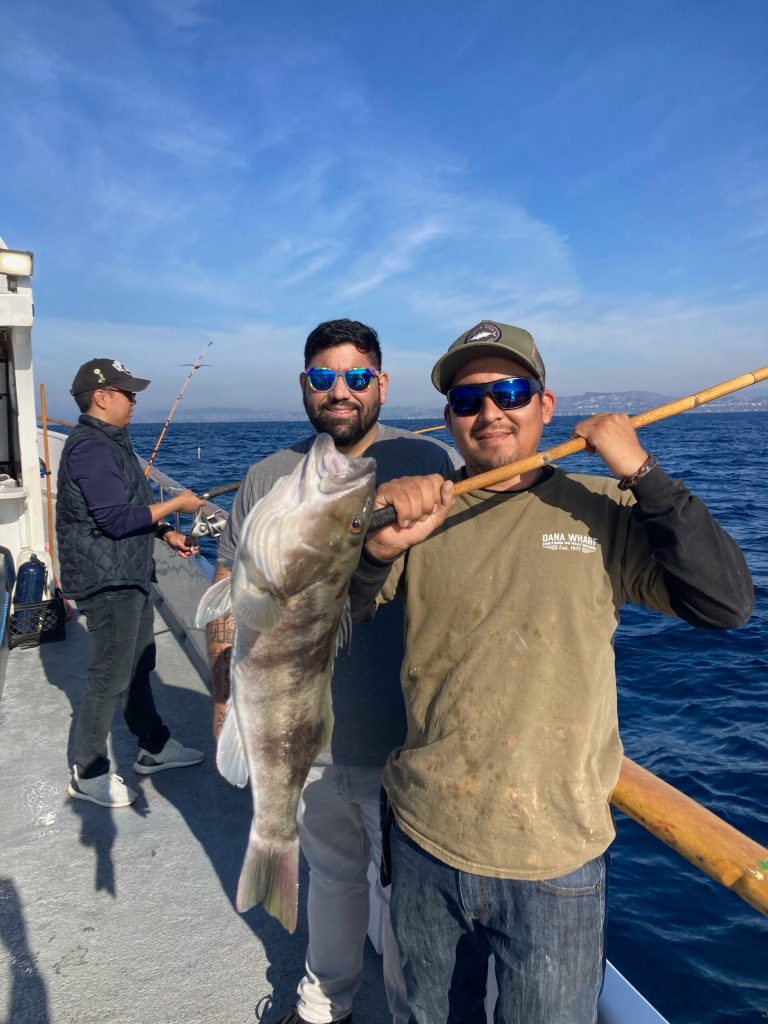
220	635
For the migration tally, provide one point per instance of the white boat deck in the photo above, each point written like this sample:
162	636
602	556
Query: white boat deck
127	916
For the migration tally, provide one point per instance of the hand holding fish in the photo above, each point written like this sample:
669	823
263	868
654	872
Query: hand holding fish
614	439
421	504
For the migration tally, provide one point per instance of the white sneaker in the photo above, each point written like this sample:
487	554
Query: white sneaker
173	755
105	790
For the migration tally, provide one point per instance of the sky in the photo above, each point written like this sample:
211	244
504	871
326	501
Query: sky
195	171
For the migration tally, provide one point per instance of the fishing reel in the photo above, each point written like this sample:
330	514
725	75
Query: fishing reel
208	526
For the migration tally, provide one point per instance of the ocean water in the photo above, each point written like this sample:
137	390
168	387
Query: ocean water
692	707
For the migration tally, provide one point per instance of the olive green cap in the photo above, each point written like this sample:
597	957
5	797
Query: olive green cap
488	338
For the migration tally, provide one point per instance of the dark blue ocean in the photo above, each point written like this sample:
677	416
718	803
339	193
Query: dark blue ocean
692	707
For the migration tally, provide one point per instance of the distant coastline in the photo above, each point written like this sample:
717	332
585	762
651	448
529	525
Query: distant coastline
586	404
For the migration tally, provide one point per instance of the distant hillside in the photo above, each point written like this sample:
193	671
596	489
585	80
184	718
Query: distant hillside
216	414
608	401
746	400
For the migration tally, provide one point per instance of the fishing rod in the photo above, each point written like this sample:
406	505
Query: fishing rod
214	492
207	524
387	515
195	366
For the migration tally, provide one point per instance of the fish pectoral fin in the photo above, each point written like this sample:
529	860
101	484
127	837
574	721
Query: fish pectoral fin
215	603
344	633
257	609
230	756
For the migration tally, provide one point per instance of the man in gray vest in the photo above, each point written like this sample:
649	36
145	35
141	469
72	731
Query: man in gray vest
106	523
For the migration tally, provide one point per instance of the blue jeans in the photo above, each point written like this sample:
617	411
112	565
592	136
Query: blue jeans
122	638
546	939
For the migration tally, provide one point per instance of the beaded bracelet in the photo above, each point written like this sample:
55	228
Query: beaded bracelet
629	481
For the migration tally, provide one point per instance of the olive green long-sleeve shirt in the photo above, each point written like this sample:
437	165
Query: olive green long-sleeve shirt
513	744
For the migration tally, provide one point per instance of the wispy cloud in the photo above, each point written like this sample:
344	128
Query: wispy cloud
181	13
187	172
395	256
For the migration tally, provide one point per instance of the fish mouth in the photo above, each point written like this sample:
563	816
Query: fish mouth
335	471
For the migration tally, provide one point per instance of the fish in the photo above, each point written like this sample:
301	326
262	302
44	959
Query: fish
296	554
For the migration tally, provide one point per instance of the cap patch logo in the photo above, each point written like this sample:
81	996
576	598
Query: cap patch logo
120	367
99	374
485	331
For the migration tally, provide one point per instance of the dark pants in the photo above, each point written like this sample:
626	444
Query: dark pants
122	636
546	939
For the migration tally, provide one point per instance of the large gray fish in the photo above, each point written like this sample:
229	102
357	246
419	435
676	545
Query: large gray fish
297	551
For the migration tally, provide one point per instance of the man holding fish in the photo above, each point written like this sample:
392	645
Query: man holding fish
284	560
512	595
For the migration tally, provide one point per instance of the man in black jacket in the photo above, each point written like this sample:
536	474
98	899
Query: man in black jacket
106	524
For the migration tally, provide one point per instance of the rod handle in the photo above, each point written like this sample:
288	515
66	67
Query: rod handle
382	517
214	492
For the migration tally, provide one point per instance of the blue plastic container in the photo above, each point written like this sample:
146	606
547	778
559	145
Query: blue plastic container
30	584
30	581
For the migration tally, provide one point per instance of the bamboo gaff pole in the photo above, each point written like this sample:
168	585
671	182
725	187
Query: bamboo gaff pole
195	366
44	419
385	516
63	423
714	846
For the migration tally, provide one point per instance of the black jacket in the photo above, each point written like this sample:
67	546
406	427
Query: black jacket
90	560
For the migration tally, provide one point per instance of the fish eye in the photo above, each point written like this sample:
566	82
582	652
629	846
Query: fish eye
355	524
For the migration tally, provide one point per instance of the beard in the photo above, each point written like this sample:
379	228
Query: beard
482	459
483	462
346	433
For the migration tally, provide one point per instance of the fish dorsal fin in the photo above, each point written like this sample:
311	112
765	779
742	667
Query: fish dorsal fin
344	633
230	758
215	603
256	609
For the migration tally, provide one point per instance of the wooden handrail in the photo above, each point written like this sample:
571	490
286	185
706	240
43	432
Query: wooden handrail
714	846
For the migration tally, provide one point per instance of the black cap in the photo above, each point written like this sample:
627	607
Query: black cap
488	338
106	373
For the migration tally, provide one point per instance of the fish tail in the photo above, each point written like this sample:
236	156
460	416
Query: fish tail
270	875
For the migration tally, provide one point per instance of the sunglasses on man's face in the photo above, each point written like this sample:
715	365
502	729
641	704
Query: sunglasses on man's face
130	395
509	393
358	379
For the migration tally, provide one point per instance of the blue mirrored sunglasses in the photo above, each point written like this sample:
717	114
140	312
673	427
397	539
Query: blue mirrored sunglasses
357	379
509	393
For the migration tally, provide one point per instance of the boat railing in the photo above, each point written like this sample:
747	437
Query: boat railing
712	845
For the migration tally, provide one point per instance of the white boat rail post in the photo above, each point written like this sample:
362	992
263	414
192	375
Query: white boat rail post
21	527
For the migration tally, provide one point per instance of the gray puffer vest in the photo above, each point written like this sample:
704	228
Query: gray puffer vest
90	561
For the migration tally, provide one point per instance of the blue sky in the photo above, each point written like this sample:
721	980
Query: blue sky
190	171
